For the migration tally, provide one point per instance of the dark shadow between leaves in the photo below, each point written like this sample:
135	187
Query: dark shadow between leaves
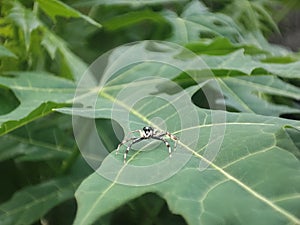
8	101
147	209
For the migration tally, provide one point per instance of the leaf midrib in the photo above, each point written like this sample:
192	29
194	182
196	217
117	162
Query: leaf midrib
219	169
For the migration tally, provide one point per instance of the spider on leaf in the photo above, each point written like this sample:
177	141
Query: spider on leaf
148	133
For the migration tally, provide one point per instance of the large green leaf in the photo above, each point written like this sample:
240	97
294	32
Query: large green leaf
246	94
246	174
228	168
38	93
248	183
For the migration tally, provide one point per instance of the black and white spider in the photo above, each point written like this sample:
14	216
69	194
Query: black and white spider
148	133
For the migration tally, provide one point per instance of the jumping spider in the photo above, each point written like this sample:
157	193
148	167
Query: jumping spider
148	133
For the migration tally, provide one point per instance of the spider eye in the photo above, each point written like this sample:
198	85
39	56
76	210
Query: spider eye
147	129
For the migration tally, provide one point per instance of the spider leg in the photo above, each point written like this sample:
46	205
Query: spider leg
166	143
123	142
136	140
126	139
172	136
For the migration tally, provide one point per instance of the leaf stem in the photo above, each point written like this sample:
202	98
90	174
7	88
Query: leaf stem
68	163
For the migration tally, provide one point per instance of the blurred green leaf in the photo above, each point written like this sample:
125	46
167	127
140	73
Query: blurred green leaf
30	204
75	67
25	19
252	15
197	22
288	70
244	59
222	46
131	18
133	3
54	8
70	65
4	52
249	94
38	93
49	138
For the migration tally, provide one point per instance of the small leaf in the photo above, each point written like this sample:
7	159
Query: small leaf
54	8
130	18
197	22
221	46
25	19
55	44
4	52
252	15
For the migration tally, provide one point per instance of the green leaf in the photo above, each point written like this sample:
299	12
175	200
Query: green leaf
130	18
25	19
236	61
31	203
72	66
252	15
54	8
133	3
239	59
289	70
244	161
222	46
38	93
55	44
246	94
197	22
251	94
240	176
26	150
4	52
44	139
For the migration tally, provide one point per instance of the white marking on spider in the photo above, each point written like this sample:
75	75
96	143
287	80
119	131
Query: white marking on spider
148	133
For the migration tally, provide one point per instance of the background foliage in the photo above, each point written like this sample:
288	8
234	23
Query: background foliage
46	45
